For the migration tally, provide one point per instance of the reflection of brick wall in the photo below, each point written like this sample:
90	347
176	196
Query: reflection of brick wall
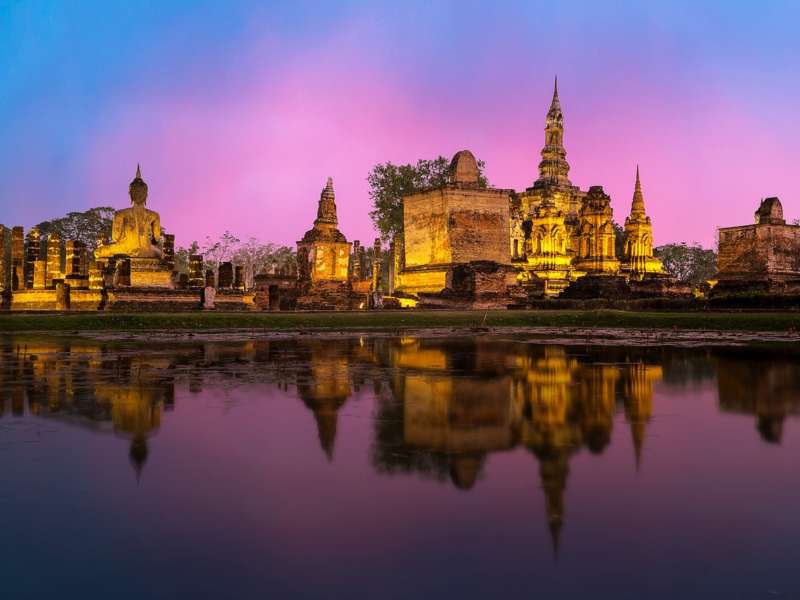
759	251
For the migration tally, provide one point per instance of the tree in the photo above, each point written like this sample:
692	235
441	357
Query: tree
182	257
256	257
389	183
619	239
220	251
86	227
690	264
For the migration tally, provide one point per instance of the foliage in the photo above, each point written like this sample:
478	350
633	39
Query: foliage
388	183
619	239
253	255
690	264
182	256
219	251
86	227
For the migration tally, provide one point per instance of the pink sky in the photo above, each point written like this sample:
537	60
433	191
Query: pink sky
237	124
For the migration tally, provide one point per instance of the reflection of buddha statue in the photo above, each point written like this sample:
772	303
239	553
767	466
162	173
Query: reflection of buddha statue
136	231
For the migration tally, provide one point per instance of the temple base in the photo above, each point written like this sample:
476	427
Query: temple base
150	273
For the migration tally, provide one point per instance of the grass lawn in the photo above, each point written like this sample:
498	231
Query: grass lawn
388	320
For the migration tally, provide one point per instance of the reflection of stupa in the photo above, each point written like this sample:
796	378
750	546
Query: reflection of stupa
324	390
553	471
638	380
597	399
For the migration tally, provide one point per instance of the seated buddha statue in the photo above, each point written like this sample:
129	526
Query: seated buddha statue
135	231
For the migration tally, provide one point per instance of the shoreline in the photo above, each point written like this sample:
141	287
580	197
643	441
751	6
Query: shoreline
597	327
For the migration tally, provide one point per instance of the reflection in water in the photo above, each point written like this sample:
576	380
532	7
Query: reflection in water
442	405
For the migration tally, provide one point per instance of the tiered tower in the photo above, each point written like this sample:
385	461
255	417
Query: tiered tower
638	257
324	252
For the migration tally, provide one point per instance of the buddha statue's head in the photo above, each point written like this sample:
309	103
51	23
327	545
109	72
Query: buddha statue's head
138	189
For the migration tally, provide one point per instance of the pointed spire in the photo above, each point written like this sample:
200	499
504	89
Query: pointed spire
326	213
637	433
555	105
637	205
138	172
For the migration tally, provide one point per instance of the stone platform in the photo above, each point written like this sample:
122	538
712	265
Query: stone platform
152	299
150	273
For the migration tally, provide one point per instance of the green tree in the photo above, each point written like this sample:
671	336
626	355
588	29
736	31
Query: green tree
690	264
182	257
389	183
619	239
86	227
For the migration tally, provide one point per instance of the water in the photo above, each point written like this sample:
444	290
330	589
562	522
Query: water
397	468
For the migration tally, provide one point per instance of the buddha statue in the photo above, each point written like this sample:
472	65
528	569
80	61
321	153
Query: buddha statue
135	231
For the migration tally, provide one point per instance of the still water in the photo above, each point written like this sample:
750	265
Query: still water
397	468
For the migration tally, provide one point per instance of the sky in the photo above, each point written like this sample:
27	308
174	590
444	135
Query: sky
238	111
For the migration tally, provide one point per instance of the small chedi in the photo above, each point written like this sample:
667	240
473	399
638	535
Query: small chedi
762	257
323	261
462	240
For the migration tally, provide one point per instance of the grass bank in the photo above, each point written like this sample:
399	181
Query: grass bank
388	320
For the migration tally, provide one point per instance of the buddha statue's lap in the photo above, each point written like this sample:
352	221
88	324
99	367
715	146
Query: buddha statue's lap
135	234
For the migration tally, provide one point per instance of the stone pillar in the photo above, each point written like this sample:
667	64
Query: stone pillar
76	259
376	265
357	268
168	251
392	265
33	252
122	271
225	278
17	258
238	277
362	262
96	269
196	277
53	259
4	271
209	279
39	272
62	296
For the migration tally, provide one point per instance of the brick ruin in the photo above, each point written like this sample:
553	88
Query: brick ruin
762	257
552	234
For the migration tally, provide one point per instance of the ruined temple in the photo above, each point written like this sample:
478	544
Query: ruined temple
323	261
555	233
764	256
457	223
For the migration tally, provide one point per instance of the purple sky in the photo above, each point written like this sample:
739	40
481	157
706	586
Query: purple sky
238	112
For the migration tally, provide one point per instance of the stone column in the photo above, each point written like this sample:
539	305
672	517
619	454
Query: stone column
33	252
17	258
53	259
376	265
62	296
168	251
4	271
96	279
357	267
392	265
238	277
196	276
76	259
39	272
225	277
209	279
